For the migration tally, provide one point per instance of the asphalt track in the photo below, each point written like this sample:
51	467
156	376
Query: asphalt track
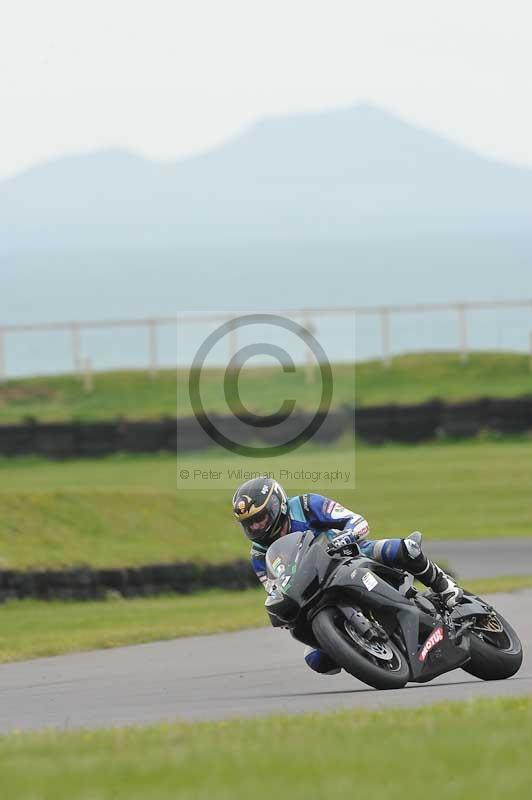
214	677
483	558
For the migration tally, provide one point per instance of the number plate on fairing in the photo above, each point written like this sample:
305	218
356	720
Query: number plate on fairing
369	581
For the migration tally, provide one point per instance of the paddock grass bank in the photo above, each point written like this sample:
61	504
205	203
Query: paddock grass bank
412	753
129	393
33	629
126	510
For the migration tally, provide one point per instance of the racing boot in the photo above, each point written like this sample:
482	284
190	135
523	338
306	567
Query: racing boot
429	573
443	584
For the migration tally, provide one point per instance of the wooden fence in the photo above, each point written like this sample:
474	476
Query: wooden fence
384	315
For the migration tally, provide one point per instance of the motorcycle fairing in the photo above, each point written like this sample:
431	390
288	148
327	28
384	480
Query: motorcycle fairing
446	655
299	569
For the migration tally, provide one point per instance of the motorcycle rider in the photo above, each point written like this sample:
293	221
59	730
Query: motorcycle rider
266	513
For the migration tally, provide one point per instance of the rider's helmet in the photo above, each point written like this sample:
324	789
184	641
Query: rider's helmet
261	507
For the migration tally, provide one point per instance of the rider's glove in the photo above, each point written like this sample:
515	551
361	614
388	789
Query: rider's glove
344	541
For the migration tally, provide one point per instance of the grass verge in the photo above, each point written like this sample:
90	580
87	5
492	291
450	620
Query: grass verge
32	629
126	510
479	750
410	379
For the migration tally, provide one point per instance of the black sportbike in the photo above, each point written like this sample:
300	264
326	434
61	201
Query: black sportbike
371	621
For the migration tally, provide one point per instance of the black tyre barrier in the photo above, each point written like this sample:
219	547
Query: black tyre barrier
375	425
86	583
464	420
394	423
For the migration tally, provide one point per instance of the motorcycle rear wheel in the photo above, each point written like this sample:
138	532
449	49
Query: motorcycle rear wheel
495	654
329	629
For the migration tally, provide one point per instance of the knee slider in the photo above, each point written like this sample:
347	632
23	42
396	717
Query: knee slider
414	560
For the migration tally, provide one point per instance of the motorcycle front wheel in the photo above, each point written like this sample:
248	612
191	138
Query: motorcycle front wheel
378	663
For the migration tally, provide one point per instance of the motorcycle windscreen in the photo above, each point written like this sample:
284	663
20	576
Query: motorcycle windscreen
283	556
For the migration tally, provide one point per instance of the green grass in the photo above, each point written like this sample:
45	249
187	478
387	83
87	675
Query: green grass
132	394
417	378
477	750
127	511
503	583
33	629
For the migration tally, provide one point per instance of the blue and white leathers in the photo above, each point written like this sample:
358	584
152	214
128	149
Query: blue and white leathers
318	514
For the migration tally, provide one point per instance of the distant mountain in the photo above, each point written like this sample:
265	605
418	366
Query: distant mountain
345	173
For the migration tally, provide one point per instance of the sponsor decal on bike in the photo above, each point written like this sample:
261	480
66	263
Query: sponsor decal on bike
278	567
435	638
369	581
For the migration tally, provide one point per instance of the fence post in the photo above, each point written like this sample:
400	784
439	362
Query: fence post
309	359
386	337
2	357
152	344
232	340
88	382
462	334
76	347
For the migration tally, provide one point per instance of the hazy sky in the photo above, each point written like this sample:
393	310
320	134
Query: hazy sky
167	77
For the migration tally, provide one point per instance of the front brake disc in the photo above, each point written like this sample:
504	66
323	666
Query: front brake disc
377	648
